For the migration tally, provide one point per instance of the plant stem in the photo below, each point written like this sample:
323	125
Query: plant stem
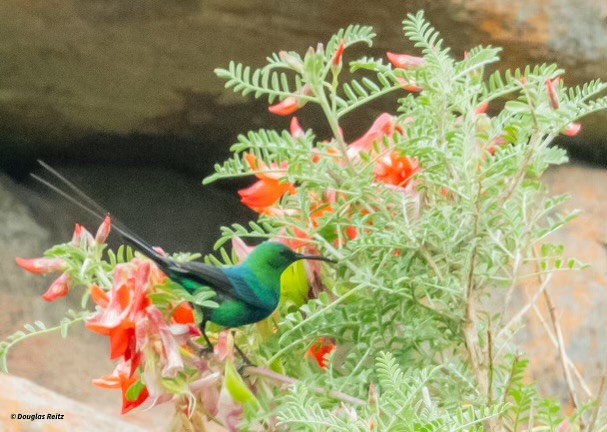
254	370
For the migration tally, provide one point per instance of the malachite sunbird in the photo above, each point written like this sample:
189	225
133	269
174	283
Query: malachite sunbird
246	293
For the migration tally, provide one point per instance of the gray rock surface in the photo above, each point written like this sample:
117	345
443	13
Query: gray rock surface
132	80
22	397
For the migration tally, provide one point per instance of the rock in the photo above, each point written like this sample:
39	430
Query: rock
132	80
21	397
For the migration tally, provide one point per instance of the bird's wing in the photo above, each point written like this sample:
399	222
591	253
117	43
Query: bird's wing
229	282
204	274
246	293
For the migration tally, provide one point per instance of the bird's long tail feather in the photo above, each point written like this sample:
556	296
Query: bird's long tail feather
88	204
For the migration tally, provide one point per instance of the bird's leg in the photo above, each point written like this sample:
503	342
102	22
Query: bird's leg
209	348
243	356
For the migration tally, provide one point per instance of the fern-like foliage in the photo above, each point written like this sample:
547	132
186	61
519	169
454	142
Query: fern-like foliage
38	328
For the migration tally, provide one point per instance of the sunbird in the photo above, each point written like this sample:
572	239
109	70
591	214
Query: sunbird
245	293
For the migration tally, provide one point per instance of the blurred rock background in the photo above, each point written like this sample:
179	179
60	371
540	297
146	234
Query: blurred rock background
120	96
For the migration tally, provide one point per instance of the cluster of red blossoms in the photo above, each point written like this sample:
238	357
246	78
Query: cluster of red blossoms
138	331
41	266
391	169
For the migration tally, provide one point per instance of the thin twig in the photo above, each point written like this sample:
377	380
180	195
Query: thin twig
570	363
526	308
599	401
254	370
561	347
490	371
470	328
511	288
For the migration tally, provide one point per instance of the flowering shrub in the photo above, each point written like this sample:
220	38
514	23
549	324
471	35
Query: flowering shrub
433	210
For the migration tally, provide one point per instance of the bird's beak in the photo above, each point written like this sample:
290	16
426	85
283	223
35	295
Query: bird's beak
314	258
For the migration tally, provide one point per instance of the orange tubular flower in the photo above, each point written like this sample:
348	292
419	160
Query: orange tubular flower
337	60
396	170
291	104
409	86
123	380
319	350
269	189
58	289
482	108
41	266
405	61
287	107
384	125
125	306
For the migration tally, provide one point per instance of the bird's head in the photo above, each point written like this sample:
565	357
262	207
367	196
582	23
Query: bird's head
276	257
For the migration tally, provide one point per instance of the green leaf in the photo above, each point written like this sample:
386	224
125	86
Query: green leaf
135	391
237	388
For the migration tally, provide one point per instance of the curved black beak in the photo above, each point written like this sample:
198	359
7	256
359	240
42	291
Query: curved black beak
314	258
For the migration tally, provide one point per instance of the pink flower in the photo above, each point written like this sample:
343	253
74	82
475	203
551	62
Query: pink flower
169	356
79	233
383	126
409	86
552	87
406	61
291	104
241	249
225	345
287	107
58	289
295	128
41	266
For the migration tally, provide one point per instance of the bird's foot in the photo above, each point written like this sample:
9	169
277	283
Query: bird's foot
205	351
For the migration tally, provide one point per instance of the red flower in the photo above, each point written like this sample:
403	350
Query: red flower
58	289
352	233
552	87
287	107
339	54
572	129
396	170
291	104
319	350
41	266
383	126
269	189
406	61
409	86
121	378
104	230
124	307
482	108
